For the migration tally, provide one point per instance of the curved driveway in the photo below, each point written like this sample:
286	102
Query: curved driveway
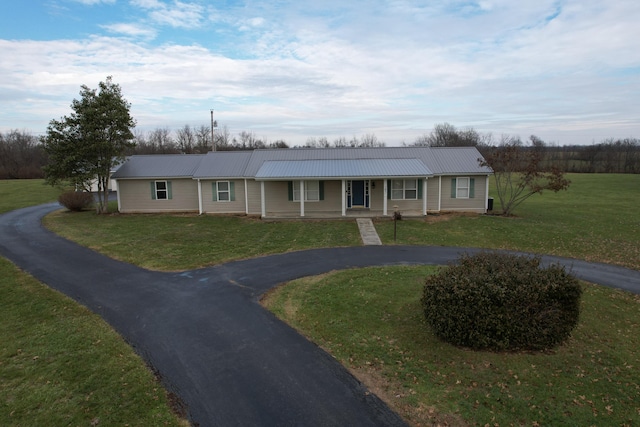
203	331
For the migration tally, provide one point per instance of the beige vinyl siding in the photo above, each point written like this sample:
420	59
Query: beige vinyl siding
278	203
135	196
432	194
475	204
253	193
233	206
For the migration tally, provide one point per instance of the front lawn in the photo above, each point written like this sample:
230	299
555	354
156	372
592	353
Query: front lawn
371	321
61	365
595	220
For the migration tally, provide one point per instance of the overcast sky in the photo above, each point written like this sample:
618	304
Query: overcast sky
566	71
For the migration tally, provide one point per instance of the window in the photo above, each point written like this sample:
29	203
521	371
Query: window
404	189
223	191
311	191
161	190
462	188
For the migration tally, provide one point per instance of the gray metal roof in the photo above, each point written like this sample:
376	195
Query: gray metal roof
459	160
159	166
223	164
300	163
287	169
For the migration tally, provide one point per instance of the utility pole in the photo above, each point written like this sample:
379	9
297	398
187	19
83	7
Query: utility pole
213	141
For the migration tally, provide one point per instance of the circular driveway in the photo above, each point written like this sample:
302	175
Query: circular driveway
231	361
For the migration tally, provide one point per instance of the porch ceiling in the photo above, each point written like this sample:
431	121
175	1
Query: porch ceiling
336	169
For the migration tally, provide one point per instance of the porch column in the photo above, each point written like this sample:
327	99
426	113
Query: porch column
263	204
486	196
439	193
344	197
301	198
199	197
246	198
424	197
384	196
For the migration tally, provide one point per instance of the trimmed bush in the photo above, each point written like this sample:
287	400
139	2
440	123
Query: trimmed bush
76	200
494	301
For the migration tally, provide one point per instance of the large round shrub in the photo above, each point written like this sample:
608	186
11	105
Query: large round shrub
498	301
76	200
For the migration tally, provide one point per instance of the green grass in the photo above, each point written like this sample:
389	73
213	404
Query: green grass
20	193
179	242
59	363
371	321
596	219
62	365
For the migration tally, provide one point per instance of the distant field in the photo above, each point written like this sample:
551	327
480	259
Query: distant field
20	193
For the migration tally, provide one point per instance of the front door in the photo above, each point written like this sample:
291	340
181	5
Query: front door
359	194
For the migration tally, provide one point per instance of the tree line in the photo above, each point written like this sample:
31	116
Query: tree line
22	155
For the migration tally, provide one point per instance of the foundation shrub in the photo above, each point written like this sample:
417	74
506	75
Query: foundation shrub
76	200
502	302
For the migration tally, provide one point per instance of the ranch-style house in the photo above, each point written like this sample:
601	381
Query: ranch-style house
292	183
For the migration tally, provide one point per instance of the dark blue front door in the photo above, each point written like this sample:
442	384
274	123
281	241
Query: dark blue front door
357	193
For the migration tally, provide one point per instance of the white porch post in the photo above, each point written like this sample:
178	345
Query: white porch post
439	193
384	197
263	204
199	197
301	198
344	197
246	198
424	197
486	196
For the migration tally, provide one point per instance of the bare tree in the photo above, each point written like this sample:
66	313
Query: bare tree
446	135
370	140
518	172
203	140
186	139
161	141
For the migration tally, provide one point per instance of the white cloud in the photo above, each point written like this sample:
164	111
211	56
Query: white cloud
131	30
546	67
177	14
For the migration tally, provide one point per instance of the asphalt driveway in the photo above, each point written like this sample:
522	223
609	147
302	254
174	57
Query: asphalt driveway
203	331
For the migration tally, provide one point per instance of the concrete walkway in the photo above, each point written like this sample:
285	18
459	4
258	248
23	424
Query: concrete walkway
368	232
230	361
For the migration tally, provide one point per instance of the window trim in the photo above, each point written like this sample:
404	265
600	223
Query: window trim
216	191
158	191
220	191
404	189
460	188
455	187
